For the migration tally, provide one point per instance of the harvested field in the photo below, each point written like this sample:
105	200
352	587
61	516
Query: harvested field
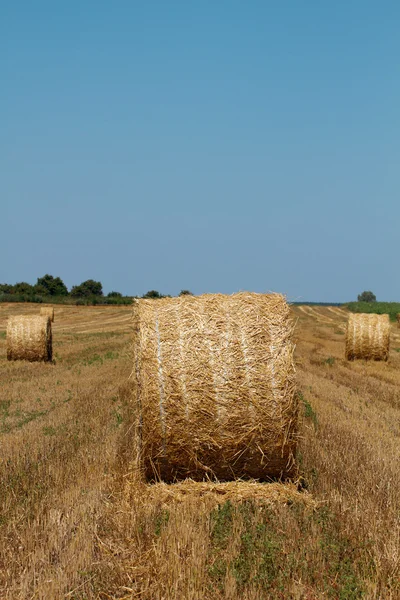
76	523
47	311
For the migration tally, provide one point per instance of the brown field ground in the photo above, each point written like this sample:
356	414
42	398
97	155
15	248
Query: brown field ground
76	524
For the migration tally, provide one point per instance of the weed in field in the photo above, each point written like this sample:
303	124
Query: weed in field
4	406
309	412
330	361
161	521
95	359
118	417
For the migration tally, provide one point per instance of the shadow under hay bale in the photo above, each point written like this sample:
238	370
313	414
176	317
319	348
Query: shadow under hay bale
47	311
29	338
367	336
214	387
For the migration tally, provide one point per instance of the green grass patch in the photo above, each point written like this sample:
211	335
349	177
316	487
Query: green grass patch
29	416
95	359
111	355
4	406
266	556
309	412
50	430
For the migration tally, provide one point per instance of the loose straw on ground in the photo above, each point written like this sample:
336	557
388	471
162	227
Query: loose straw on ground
235	491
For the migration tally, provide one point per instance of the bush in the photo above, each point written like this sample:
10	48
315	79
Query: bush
152	294
86	289
20	298
23	288
379	308
366	297
52	286
81	302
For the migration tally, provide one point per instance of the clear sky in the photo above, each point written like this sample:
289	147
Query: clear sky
210	145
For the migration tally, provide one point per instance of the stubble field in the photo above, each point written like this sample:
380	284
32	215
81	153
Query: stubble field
75	522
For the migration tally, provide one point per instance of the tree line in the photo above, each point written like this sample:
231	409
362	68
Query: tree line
53	289
54	286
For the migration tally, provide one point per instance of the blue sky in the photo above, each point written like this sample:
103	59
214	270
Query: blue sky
214	146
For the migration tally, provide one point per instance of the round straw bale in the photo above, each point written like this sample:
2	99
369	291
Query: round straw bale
47	311
367	336
214	385
29	338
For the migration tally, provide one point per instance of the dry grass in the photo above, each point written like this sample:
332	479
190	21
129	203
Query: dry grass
47	311
214	383
76	523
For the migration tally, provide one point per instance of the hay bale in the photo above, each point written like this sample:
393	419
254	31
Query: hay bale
47	311
367	336
29	338
214	386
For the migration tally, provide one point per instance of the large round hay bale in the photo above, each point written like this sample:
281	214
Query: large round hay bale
367	336
47	311
29	338
214	385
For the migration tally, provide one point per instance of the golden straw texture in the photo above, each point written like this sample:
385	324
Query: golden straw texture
368	336
29	338
235	491
214	386
47	311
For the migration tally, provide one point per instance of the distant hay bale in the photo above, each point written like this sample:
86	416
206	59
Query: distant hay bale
367	336
214	386
29	338
47	311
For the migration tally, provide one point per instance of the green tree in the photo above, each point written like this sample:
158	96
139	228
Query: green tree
114	295
51	286
87	288
23	288
185	293
152	294
6	288
366	297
